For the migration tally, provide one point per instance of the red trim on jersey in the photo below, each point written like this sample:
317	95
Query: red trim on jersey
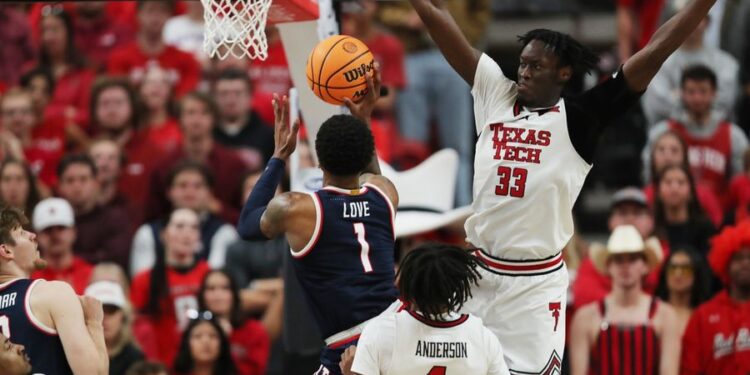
520	266
316	231
30	316
343	342
436	323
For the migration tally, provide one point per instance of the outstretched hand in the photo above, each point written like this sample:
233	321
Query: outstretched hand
363	109
284	136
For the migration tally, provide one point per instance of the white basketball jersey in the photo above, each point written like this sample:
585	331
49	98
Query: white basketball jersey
527	174
406	343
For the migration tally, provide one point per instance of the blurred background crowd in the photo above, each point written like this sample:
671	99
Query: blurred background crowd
133	152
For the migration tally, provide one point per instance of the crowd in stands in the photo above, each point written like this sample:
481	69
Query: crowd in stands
133	152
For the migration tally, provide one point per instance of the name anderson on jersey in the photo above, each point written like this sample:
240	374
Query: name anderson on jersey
441	349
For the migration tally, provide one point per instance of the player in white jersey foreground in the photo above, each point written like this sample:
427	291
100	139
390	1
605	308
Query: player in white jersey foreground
534	151
427	336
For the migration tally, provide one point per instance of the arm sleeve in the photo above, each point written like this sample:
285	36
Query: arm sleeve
493	92
143	251
739	146
592	111
225	236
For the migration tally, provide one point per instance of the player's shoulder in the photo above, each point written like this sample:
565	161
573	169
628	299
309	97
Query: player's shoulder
293	202
48	291
384	185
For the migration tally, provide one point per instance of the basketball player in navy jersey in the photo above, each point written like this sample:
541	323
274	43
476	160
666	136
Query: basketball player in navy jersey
533	154
341	237
61	332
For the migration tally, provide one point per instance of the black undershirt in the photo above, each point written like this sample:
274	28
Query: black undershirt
590	112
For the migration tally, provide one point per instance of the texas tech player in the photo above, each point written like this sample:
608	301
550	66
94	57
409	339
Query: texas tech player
427	336
341	236
61	333
533	154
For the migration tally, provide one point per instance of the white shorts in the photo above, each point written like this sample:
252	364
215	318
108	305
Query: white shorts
523	303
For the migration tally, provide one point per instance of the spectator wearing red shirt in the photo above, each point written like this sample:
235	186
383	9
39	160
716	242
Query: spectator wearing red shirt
670	149
55	227
637	21
96	33
58	55
102	231
149	49
717	339
239	127
198	115
159	124
628	207
43	143
16	46
115	117
389	53
164	294
248	338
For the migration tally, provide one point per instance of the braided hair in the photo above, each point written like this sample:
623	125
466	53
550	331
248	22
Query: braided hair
569	51
437	278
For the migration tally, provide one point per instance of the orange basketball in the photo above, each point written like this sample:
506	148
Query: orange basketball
336	69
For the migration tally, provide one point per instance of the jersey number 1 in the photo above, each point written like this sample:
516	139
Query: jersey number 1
437	370
5	326
515	188
364	247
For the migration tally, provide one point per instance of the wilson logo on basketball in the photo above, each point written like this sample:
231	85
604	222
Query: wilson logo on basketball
349	47
357	72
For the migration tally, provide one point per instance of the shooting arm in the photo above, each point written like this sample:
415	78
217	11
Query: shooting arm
446	33
641	68
255	220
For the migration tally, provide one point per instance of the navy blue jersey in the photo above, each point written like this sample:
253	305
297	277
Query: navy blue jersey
18	324
346	270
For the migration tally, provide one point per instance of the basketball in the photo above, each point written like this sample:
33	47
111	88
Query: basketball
337	67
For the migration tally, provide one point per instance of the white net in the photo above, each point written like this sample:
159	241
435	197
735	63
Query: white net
236	28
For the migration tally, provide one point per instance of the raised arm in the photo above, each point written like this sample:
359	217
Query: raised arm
446	33
643	66
363	111
250	225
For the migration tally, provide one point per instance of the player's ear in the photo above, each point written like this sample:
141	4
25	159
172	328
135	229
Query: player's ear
564	74
6	252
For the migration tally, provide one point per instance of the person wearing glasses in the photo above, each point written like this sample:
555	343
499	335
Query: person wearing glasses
684	283
204	349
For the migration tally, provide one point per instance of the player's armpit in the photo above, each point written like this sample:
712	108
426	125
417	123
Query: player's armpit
62	304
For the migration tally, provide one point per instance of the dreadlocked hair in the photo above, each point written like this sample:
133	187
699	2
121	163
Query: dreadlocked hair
437	279
569	51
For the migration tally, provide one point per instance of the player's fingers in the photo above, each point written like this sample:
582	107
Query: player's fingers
349	104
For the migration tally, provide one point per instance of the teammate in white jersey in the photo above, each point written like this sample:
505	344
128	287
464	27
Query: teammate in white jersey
534	151
427	336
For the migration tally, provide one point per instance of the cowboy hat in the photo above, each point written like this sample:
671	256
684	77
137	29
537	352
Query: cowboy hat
426	194
625	239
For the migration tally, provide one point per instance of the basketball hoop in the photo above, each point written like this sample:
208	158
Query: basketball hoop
237	27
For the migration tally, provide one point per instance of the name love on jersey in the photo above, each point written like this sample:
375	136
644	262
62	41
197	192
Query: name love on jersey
503	134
